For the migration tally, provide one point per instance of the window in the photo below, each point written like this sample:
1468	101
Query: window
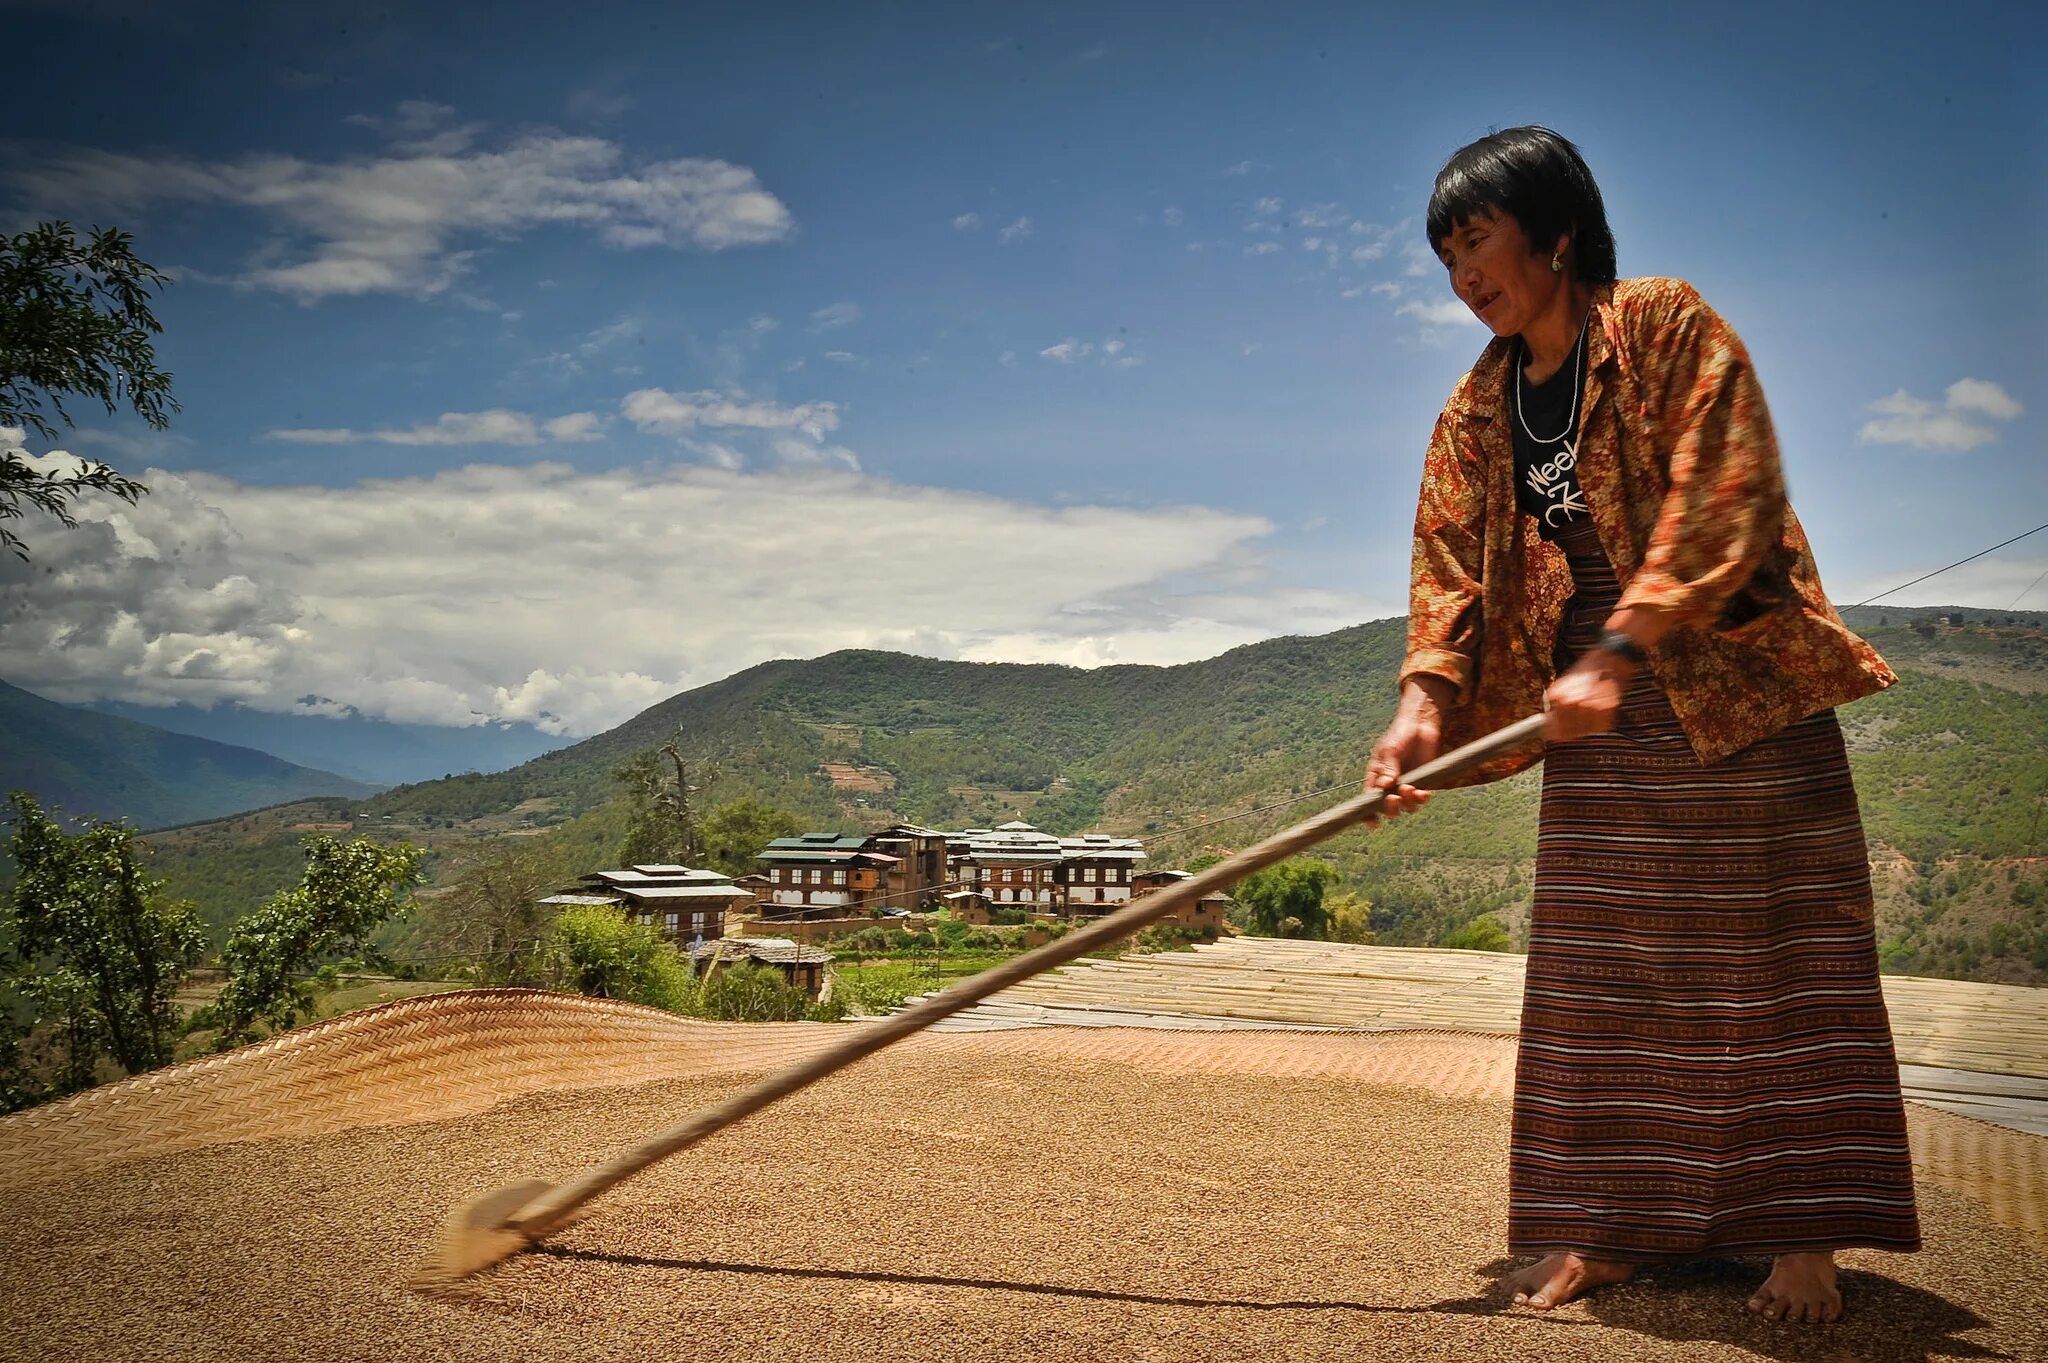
817	876
1088	875
838	876
674	921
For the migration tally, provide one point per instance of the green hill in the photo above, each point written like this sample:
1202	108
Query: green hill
1949	763
88	763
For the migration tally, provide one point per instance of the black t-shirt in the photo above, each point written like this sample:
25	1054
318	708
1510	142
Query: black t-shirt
1546	477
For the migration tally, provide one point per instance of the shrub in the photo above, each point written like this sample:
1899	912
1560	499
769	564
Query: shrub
602	953
746	992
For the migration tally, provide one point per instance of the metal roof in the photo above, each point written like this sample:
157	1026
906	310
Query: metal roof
641	875
767	950
640	892
582	899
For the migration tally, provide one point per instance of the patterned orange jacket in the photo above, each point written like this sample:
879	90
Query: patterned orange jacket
1679	467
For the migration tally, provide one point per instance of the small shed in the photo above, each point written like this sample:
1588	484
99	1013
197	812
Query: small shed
799	963
969	906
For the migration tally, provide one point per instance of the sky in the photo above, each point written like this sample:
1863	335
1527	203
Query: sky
539	362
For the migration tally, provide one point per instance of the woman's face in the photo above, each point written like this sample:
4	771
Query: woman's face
1498	274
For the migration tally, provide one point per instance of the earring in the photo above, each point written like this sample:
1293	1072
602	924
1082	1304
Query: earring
1556	265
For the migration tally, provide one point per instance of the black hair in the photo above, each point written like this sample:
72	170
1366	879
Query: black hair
1537	177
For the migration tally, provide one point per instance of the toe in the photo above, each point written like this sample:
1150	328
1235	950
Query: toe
1760	1302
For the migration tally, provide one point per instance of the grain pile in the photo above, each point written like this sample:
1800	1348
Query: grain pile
1055	1195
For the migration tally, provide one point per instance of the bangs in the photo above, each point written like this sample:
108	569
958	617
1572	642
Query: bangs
1464	192
1539	179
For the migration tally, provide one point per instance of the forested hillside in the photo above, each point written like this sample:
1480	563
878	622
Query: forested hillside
1949	763
81	762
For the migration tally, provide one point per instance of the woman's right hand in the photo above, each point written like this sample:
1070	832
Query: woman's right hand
1411	739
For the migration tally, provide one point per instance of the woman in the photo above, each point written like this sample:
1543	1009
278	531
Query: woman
1705	1068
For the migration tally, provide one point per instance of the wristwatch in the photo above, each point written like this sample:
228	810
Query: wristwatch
1619	644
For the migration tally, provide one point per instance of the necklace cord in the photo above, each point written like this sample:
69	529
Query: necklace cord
1578	388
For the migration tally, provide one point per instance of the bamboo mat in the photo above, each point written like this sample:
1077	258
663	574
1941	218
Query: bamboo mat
1980	1050
1953	1024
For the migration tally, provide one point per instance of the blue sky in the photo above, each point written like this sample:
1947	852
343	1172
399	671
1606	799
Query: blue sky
537	364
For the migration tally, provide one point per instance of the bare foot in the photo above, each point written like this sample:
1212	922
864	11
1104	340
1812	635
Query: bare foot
1558	1278
1801	1287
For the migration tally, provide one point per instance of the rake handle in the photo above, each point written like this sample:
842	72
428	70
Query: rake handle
548	1211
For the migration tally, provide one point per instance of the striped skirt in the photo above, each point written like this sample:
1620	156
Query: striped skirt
1706	1067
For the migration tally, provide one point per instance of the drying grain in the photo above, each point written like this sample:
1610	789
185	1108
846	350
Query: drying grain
1070	1197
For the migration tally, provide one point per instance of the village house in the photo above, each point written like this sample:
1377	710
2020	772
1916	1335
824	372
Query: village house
686	904
1015	865
1018	864
1209	914
1096	872
822	875
920	872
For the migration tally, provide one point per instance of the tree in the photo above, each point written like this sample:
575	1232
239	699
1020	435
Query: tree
734	833
348	890
98	949
1287	900
664	829
1350	918
1483	933
75	321
493	915
606	955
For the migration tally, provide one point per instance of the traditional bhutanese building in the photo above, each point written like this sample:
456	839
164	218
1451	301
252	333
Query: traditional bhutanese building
1096	872
920	872
685	903
824	874
1018	864
1015	865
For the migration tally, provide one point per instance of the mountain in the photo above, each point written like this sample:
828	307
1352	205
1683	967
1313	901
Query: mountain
378	751
114	768
1949	764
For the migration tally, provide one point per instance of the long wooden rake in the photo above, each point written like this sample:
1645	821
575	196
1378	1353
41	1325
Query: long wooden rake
497	1225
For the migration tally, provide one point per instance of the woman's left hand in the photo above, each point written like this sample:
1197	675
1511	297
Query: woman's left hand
1586	700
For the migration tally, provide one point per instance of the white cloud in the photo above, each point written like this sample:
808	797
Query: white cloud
1954	426
1444	320
498	426
1442	312
1322	215
1241	168
1016	231
1982	396
1387	289
967	222
1266	208
1173	217
1262	248
842	357
657	411
409	220
1113	353
2007	581
835	315
574	599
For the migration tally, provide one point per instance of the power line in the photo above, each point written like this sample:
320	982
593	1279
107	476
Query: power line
1957	564
2030	586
